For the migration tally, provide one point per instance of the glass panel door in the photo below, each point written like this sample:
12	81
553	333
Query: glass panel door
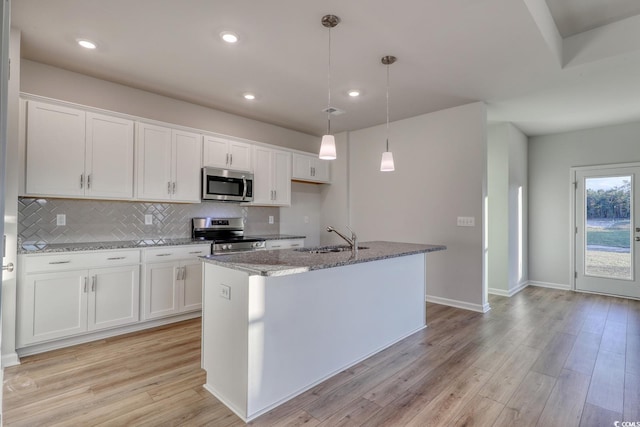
605	231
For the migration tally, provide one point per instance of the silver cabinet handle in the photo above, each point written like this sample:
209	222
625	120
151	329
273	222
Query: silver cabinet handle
168	188
179	273
276	246
184	273
85	284
81	180
231	159
163	254
295	245
227	159
59	262
195	252
174	187
275	194
115	258
89	181
94	279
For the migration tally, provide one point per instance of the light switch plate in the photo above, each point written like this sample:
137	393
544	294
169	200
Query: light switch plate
225	292
466	221
61	219
270	219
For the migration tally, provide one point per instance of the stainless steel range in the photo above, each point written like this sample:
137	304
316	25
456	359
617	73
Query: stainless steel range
226	235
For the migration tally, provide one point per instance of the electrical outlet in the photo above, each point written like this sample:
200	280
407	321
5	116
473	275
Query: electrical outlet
225	292
270	219
306	219
466	221
148	219
61	219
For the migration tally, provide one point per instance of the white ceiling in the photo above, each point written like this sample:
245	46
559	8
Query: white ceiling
509	53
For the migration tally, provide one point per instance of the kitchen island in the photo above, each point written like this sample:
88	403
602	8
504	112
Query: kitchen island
276	323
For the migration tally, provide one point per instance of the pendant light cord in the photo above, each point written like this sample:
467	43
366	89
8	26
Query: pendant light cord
329	88
387	107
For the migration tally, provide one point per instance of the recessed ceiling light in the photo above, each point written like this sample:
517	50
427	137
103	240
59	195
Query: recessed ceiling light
249	96
87	44
229	36
354	93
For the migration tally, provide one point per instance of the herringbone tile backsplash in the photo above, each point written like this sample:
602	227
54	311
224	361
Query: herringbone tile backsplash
102	221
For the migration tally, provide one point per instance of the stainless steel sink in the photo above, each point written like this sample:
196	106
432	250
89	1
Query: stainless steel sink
328	249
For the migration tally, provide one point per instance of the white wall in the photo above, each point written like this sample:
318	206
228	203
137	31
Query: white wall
550	160
335	197
507	228
440	161
52	82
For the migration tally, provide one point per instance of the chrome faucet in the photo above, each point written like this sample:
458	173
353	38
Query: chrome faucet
353	241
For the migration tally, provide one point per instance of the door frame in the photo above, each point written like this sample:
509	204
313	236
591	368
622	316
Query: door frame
573	193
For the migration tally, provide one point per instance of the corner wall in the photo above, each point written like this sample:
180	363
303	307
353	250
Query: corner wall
440	161
550	160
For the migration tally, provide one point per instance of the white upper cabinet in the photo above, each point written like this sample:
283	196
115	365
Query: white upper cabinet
271	177
168	164
77	154
109	157
55	150
226	154
310	168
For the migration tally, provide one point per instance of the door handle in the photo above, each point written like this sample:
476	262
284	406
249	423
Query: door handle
637	238
8	267
637	229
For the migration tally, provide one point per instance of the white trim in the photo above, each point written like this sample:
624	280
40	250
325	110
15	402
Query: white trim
459	304
82	339
560	286
511	292
10	359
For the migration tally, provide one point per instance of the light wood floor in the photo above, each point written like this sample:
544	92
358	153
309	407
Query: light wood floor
543	357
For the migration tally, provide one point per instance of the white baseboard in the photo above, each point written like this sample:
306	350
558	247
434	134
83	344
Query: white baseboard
459	304
510	292
560	286
10	359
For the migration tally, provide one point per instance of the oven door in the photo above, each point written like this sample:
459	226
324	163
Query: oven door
227	186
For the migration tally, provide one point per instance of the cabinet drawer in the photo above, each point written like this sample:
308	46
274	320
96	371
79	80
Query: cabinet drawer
285	243
71	261
173	253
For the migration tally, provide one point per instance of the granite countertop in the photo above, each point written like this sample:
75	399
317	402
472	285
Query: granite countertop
27	248
95	246
293	261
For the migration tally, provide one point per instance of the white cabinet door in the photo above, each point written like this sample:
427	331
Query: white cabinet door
55	150
281	178
114	297
109	157
226	154
154	150
239	156
310	168
262	177
215	152
52	305
271	177
161	290
191	285
187	161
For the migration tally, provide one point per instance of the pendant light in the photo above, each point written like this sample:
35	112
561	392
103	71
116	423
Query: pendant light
328	144
386	164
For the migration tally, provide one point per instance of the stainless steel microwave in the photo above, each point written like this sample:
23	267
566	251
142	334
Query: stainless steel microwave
226	186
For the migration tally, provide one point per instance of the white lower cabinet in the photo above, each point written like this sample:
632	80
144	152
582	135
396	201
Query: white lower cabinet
285	243
173	286
56	305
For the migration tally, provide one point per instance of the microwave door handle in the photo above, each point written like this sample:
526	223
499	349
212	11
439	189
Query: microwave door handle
244	188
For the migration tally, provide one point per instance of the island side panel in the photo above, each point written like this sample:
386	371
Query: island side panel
224	336
307	327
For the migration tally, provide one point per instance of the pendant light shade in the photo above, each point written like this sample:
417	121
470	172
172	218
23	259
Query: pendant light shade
328	144
328	148
386	163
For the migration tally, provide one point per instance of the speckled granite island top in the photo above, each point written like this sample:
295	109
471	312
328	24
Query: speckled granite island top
294	261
